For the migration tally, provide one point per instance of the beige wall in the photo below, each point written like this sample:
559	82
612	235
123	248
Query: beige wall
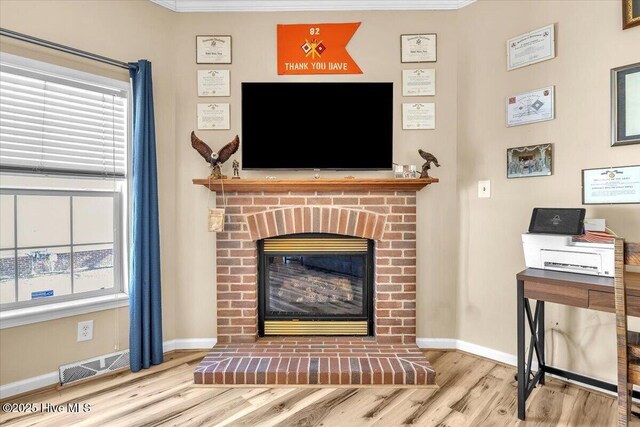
590	42
468	249
128	31
376	49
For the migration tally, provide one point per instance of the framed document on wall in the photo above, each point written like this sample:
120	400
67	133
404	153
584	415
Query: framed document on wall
213	116
418	48
625	105
419	116
420	82
614	185
530	107
530	48
213	49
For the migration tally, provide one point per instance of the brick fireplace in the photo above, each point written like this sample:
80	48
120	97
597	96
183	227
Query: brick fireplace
388	218
382	211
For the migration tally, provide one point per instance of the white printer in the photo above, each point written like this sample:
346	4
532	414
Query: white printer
561	253
554	243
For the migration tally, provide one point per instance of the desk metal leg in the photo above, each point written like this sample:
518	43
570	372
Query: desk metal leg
541	362
522	384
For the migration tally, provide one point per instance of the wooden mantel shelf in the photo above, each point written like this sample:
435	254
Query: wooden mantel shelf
342	184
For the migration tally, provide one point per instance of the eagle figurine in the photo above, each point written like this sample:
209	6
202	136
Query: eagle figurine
429	158
215	159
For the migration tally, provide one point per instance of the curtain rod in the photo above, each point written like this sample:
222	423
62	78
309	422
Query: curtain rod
63	48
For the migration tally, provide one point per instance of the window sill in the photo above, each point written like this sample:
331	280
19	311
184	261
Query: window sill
43	313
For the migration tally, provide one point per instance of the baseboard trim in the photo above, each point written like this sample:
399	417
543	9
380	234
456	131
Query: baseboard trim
52	378
189	344
478	350
489	353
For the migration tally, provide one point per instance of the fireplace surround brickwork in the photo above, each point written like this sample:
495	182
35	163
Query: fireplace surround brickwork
387	217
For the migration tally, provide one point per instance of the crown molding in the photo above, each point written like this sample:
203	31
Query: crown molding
307	5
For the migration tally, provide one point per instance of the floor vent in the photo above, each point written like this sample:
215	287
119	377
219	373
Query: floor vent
93	367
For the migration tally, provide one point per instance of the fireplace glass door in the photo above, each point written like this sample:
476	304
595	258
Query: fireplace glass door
315	283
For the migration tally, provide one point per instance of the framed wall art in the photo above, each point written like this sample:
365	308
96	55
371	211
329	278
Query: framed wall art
630	13
213	49
528	161
613	185
625	105
418	48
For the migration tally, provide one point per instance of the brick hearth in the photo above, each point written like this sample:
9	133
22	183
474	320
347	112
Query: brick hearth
315	361
388	218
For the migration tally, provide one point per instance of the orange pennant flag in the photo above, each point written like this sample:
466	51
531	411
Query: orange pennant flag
316	49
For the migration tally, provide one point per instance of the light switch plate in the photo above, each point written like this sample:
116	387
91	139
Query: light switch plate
484	189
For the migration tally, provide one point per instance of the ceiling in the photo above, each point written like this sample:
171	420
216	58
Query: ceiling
307	5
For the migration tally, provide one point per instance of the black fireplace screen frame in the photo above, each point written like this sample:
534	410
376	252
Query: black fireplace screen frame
368	297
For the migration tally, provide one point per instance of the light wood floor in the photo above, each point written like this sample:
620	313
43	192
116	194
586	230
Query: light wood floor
473	392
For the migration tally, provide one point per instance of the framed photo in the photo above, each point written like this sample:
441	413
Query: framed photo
630	13
530	107
614	185
419	115
214	83
420	82
528	161
213	49
625	105
418	48
530	48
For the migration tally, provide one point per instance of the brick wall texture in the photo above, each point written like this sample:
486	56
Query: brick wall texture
387	217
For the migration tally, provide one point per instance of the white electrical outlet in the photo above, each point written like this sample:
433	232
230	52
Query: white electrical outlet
484	189
85	330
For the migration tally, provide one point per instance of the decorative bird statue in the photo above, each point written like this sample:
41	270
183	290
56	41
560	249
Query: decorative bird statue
215	159
429	158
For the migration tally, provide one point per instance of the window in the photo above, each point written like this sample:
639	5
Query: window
63	158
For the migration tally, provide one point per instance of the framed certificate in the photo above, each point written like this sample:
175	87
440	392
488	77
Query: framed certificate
530	107
530	48
213	49
421	82
418	116
213	83
614	185
625	105
213	116
418	48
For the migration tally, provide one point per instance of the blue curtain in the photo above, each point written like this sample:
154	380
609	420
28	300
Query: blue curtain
145	335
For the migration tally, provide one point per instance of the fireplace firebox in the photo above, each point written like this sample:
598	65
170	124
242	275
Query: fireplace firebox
315	284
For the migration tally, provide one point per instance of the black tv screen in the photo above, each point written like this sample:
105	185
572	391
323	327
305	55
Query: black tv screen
346	126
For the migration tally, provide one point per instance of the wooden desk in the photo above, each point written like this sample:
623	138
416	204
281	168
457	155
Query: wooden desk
576	290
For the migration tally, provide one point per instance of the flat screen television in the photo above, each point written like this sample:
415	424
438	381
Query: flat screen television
339	126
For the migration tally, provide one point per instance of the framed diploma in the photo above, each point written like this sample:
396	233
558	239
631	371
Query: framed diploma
418	116
213	116
625	105
213	83
421	82
614	185
530	107
213	49
418	48
630	13
530	48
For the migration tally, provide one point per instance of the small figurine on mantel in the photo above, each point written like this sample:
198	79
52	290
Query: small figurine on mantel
429	158
215	159
236	169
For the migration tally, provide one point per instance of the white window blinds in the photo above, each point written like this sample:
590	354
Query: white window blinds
55	124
